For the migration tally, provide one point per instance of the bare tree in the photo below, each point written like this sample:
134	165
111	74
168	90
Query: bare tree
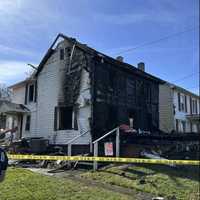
5	92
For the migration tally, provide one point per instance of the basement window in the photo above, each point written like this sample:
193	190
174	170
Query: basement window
28	123
63	118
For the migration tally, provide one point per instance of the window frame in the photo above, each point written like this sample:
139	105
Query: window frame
194	106
183	103
33	92
57	119
28	123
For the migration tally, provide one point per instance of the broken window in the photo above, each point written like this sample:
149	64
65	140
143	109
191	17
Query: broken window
28	123
31	93
61	54
63	118
68	52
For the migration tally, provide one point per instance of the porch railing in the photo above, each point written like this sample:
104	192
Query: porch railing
69	144
96	142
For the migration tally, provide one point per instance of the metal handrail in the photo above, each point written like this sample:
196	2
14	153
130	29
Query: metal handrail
115	129
69	147
78	136
96	142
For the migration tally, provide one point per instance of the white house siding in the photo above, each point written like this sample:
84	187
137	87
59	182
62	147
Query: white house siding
49	87
168	97
166	113
18	94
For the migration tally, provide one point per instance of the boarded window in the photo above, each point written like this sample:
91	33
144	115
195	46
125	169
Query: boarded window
28	123
31	93
63	118
61	54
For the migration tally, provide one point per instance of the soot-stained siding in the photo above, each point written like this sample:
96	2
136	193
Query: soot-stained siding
72	78
118	95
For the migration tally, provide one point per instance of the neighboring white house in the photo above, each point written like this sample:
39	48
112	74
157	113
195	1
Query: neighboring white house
179	109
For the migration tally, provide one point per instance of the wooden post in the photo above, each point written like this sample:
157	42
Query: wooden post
117	143
95	164
69	153
91	145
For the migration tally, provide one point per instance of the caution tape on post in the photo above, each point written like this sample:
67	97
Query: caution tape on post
103	159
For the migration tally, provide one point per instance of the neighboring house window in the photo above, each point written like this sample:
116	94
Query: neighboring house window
183	126
2	121
28	123
31	93
194	106
182	101
62	54
63	118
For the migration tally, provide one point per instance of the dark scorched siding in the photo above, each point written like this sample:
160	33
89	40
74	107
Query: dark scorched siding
120	94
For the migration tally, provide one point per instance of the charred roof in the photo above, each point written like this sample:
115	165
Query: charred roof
95	53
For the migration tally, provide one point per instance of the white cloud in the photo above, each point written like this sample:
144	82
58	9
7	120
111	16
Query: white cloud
133	17
7	50
13	71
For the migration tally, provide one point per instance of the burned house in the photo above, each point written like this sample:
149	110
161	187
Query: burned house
77	90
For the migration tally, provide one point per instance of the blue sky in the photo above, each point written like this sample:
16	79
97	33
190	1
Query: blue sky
27	28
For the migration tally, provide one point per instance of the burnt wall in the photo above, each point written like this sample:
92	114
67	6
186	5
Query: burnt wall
119	94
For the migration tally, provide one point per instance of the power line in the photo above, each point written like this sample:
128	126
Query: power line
158	40
186	77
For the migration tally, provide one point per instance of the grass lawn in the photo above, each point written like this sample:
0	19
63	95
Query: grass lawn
155	179
21	184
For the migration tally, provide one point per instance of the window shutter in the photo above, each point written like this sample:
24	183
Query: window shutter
185	103
55	118
196	106
35	98
179	102
190	105
26	94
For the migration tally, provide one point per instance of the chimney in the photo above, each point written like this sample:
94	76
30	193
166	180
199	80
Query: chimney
120	58
141	66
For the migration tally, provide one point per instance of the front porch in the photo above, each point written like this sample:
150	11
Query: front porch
11	120
194	122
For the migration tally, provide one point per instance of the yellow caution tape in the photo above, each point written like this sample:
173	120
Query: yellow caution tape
103	159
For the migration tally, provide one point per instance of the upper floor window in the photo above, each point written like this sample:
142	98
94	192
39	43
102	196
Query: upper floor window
182	102
194	106
31	93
